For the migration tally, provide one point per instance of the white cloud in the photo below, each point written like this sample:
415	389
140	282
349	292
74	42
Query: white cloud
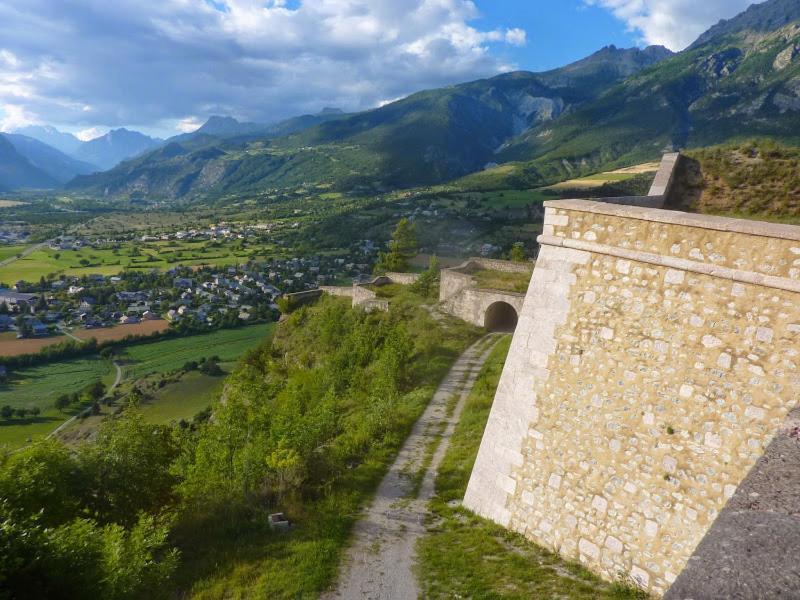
91	133
90	63
672	23
189	124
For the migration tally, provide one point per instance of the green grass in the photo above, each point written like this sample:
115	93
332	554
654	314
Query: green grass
131	255
465	556
9	251
39	387
237	556
500	280
169	355
183	399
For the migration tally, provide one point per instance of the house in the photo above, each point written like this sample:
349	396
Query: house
17	299
39	329
129	320
5	322
87	303
149	316
183	283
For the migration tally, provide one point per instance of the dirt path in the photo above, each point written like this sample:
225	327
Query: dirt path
379	564
29	250
114	385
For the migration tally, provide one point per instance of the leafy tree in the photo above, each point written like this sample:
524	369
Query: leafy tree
428	283
402	248
129	467
518	253
4	308
6	412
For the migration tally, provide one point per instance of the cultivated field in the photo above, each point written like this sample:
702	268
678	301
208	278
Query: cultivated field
11	346
120	331
46	262
39	387
169	355
183	399
600	179
7	252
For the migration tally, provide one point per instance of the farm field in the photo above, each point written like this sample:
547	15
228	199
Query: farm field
169	355
121	331
7	252
39	387
11	346
133	255
502	199
185	398
600	179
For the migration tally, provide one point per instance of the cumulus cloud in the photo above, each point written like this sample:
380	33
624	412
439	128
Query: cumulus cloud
672	23
171	63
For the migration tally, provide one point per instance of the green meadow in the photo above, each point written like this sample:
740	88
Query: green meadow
129	256
39	387
169	355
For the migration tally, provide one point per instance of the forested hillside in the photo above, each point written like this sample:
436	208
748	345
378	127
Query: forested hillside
306	426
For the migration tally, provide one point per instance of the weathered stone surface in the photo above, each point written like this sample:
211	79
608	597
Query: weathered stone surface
651	368
753	548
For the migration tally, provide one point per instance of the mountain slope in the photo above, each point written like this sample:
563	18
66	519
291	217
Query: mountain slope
58	165
741	79
16	172
65	142
112	148
429	137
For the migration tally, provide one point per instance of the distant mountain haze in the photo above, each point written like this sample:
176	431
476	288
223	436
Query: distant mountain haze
55	163
618	106
16	171
65	142
115	146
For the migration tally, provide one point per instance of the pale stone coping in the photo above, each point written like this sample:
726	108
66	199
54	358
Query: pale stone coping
674	217
682	264
665	176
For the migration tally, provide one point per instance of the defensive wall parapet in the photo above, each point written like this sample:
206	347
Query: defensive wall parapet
653	370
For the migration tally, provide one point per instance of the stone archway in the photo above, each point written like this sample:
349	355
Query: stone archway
500	316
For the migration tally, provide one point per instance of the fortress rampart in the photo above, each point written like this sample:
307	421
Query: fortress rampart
656	358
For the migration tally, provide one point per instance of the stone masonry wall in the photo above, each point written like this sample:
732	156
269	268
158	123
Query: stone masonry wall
655	359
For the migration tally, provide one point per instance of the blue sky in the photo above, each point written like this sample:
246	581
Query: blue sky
558	31
165	66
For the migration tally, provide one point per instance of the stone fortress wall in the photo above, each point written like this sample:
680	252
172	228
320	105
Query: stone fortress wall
460	296
362	294
656	359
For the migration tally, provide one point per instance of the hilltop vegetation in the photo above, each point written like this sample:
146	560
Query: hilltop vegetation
755	179
308	425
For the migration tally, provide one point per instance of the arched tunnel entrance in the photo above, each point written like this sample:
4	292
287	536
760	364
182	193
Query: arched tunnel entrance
500	316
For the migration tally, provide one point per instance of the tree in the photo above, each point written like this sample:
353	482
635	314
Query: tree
4	308
517	253
6	412
428	283
402	248
62	402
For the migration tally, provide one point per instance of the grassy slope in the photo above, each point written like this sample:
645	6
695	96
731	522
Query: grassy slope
500	280
758	179
247	560
465	556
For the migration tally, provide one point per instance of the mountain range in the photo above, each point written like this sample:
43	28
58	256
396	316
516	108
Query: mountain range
42	157
739	79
